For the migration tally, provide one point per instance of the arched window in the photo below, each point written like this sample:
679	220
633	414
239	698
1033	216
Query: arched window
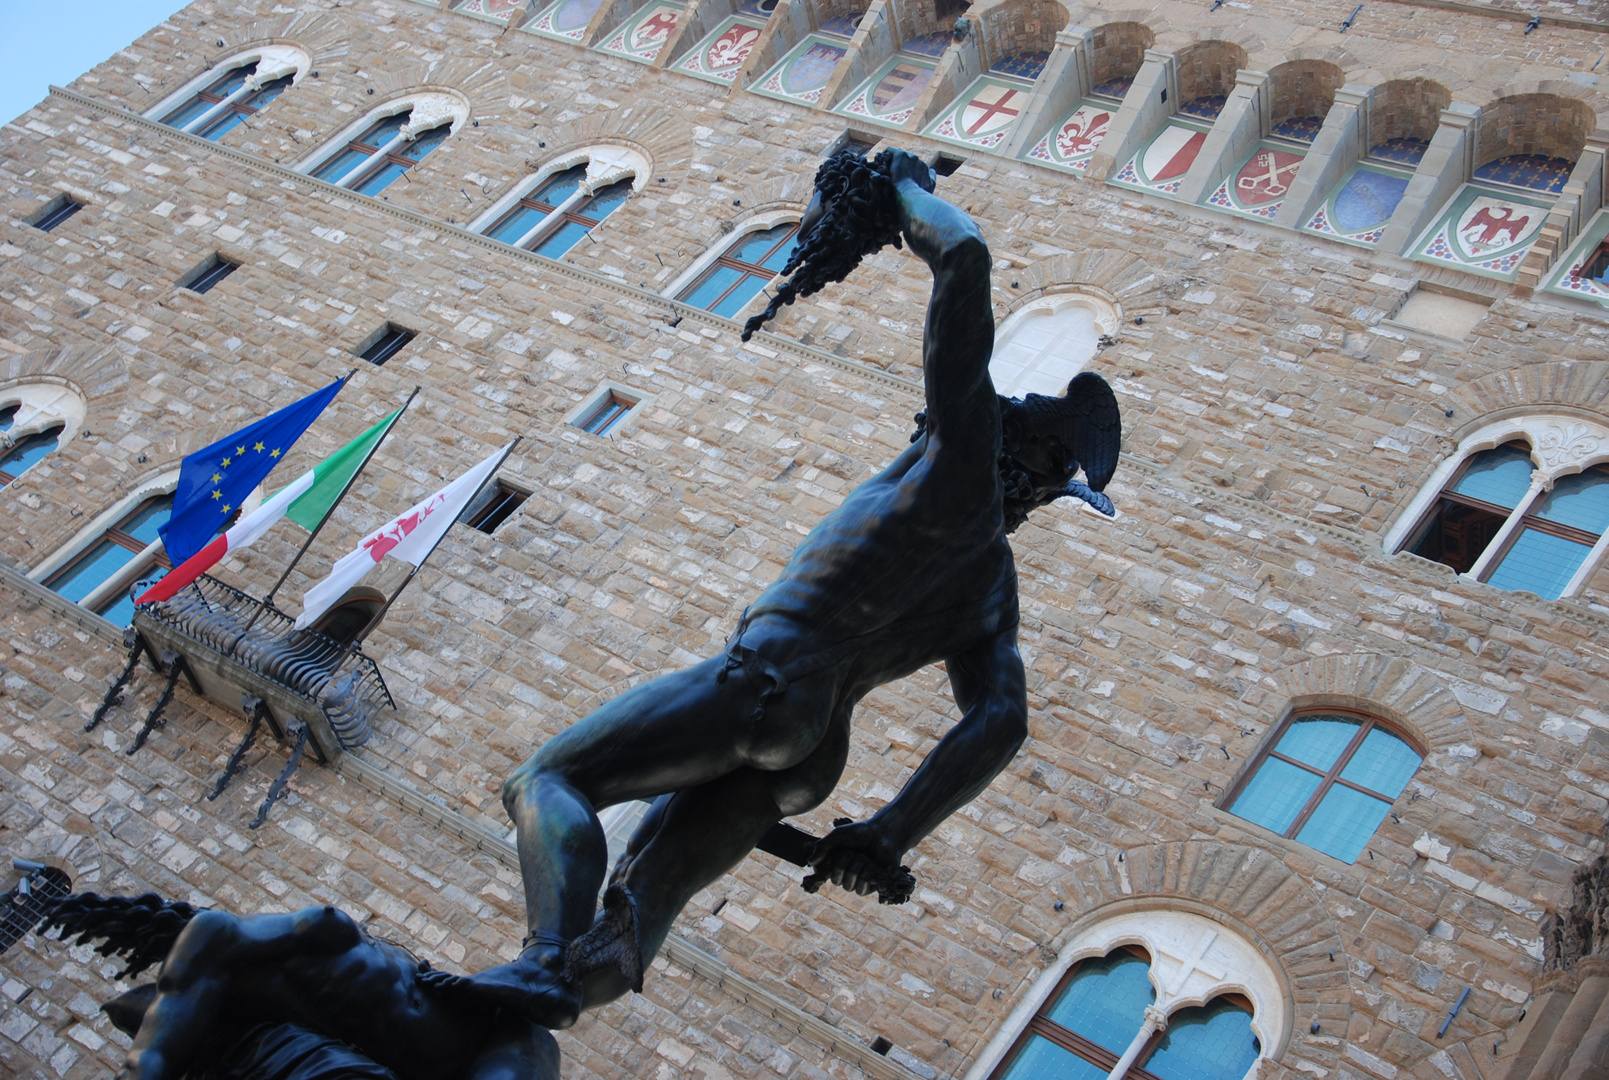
1326	779
124	551
29	900
1040	348
742	270
219	101
1147	995
1530	513
562	208
35	419
385	146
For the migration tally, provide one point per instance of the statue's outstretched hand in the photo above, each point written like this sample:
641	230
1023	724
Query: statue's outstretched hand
904	165
858	857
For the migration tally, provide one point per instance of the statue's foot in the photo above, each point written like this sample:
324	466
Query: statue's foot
533	986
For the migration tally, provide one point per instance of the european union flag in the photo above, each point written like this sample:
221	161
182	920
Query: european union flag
213	481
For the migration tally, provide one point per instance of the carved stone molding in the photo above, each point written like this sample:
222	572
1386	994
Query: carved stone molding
1564	445
430	111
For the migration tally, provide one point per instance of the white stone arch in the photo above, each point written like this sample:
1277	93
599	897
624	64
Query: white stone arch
274	61
41	405
769	219
607	163
430	109
160	483
1562	444
1044	343
1193	960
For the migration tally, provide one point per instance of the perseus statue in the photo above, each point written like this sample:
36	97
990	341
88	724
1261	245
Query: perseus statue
913	568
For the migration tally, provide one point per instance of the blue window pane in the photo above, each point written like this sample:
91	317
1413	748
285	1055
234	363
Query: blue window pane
1499	476
233	81
1384	763
1581	500
739	296
90	572
1105	1002
30	451
269	92
606	201
336	169
380	179
1041	1059
222	126
119	611
384	131
153	515
1541	563
752	248
187	113
514	226
562	186
705	292
1343	823
779	258
562	239
1211	1042
1318	740
418	148
1276	795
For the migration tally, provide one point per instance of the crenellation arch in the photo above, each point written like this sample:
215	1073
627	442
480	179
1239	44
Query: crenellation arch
1117	50
1405	109
1534	124
1302	90
1207	69
1009	28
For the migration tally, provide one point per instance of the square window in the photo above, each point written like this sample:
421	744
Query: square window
859	142
55	212
493	506
386	343
946	164
607	414
208	274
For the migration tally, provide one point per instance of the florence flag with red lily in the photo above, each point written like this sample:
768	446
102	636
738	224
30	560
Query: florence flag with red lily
305	500
410	538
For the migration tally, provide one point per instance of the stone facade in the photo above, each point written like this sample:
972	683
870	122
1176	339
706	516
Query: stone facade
1279	419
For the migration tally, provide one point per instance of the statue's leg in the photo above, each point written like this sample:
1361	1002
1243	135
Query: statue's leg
675	733
688	839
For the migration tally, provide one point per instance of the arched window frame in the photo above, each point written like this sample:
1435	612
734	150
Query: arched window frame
1270	748
606	166
426	112
41	406
274	62
84	541
1561	445
1106	313
1185	948
694	275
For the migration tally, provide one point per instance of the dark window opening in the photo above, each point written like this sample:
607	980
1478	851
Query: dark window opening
30	900
945	164
949	9
386	344
607	415
880	1045
1473	507
57	211
858	142
208	274
493	506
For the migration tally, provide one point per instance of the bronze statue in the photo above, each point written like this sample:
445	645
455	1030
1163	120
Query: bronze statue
911	569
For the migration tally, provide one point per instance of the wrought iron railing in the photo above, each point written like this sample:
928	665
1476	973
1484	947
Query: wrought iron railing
336	677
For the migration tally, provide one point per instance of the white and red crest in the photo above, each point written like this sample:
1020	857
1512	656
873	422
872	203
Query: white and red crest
1171	153
1267	176
992	108
731	48
655	28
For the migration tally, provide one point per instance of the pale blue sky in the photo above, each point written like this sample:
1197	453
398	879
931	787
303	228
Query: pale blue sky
43	44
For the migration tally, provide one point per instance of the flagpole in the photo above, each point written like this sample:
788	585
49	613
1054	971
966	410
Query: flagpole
378	615
353	479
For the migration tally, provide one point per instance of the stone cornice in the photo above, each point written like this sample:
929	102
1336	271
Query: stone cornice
81	617
673	308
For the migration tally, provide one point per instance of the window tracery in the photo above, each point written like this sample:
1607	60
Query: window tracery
1042	346
1523	505
377	151
222	98
745	267
120	547
567	200
1148	994
35	419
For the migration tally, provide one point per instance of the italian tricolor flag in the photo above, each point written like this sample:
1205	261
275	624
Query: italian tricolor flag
305	501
